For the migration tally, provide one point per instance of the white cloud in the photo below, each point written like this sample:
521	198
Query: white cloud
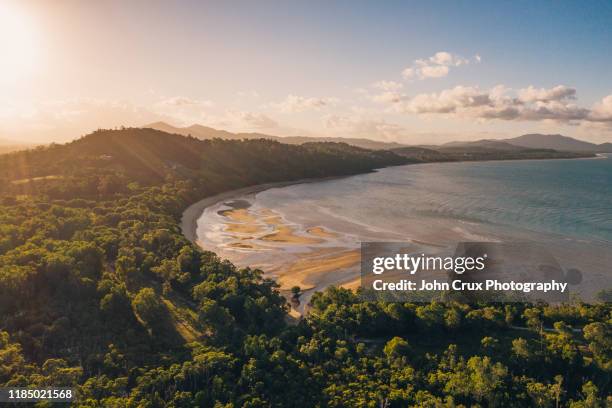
388	97
436	66
433	71
183	110
357	126
559	92
446	101
294	103
554	110
388	92
445	58
255	120
185	101
387	85
62	120
528	104
602	111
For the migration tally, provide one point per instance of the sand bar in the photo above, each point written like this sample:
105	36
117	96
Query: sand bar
189	220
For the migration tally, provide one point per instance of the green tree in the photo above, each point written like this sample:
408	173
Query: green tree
149	308
396	348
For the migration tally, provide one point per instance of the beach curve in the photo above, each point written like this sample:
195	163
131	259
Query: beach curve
190	216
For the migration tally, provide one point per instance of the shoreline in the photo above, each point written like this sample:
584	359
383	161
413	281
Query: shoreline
312	271
190	216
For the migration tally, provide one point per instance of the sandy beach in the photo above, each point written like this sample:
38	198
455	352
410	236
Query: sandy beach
191	214
309	236
312	259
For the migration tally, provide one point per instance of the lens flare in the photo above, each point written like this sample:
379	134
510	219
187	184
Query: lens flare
18	43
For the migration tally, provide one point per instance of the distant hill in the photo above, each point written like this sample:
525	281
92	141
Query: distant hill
481	150
421	154
205	133
7	146
484	144
151	156
558	142
358	142
197	131
530	141
605	148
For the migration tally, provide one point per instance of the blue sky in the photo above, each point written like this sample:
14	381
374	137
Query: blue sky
414	72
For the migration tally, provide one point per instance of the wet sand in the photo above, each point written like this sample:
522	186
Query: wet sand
311	261
311	270
311	258
306	257
314	256
191	214
287	235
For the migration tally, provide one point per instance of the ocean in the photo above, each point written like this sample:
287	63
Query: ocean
309	234
570	198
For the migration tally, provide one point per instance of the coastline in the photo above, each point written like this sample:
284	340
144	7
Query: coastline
192	213
190	216
312	265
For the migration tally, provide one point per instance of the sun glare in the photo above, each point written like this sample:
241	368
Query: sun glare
18	45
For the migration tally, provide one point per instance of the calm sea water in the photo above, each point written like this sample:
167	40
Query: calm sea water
571	198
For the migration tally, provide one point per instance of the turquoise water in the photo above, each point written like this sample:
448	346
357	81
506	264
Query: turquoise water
570	198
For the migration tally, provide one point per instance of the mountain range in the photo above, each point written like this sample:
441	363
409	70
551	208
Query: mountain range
204	133
559	142
535	141
453	151
528	141
151	156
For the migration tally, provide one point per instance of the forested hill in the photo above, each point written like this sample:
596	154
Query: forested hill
100	291
111	159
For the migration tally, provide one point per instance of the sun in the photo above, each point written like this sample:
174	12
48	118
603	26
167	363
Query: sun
18	43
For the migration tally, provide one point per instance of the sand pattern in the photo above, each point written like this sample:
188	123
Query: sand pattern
299	243
312	257
309	254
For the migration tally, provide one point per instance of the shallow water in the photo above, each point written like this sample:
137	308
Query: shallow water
563	204
566	197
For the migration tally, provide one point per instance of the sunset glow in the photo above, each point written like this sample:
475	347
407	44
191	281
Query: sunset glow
406	73
18	44
306	203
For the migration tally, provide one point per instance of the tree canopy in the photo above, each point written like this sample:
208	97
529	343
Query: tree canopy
100	291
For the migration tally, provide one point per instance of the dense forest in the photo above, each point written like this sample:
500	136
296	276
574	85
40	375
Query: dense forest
100	291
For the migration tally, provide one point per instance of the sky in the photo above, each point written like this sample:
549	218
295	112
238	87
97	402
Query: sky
410	72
